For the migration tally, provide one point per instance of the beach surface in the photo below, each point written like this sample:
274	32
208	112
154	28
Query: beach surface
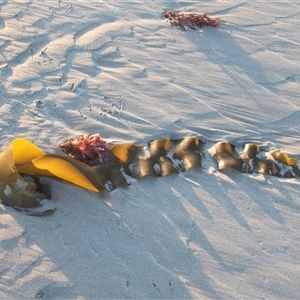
118	68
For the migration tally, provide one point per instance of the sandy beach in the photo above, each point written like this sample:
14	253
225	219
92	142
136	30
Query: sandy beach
118	68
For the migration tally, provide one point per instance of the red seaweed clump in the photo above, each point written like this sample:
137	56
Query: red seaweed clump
89	149
191	20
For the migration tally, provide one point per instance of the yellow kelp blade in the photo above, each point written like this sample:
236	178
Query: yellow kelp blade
283	157
24	151
64	167
187	145
158	148
250	151
125	152
24	157
224	148
226	156
14	190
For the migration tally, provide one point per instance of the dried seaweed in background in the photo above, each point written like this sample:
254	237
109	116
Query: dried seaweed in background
191	20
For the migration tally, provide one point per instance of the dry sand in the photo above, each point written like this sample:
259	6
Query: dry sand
119	69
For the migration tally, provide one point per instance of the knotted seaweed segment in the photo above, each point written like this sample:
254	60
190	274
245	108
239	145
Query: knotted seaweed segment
160	157
253	159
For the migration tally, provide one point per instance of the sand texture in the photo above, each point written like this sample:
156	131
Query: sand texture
118	68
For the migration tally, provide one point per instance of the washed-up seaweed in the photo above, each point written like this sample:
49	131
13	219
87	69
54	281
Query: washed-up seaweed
89	149
253	159
14	190
159	158
191	20
90	163
93	164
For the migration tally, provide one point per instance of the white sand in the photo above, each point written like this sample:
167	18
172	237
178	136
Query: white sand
118	68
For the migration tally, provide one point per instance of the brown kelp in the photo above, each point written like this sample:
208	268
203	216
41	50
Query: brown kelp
14	190
93	164
253	159
191	20
159	158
